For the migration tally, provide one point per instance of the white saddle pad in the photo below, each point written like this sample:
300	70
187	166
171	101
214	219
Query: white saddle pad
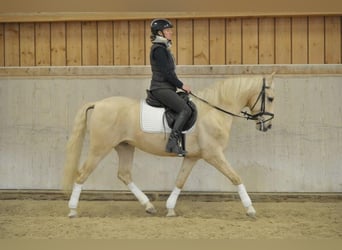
152	119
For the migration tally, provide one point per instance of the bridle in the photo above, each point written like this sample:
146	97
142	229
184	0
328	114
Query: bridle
260	116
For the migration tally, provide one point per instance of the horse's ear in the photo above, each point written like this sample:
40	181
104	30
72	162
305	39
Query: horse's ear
270	78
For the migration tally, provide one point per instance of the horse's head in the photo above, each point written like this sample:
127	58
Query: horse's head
261	105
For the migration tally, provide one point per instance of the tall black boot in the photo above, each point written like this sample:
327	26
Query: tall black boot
174	144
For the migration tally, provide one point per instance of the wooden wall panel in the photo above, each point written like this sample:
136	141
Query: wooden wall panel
299	40
316	40
333	40
283	40
2	45
74	44
137	42
12	44
234	41
266	41
174	46
27	44
196	41
250	41
43	53
89	43
121	44
148	42
201	42
217	40
184	42
58	44
105	43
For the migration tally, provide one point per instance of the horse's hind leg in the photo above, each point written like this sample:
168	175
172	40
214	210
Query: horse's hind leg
126	153
93	159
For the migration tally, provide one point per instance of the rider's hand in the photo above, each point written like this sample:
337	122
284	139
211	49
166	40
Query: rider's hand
186	88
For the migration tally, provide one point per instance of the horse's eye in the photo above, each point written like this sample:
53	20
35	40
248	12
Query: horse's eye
270	99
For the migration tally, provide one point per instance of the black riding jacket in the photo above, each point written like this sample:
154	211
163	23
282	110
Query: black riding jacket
163	68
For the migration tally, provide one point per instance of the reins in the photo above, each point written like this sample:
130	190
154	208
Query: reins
216	107
246	115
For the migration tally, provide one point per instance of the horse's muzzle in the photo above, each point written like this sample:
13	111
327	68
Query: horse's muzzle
264	126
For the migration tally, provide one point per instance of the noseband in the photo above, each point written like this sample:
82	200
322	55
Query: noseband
260	116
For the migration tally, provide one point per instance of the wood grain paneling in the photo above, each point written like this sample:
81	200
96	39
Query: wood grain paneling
174	47
2	45
148	42
12	56
332	40
196	41
89	43
137	42
184	42
27	44
217	40
234	41
299	40
74	44
43	44
121	43
250	42
58	44
105	43
316	40
283	43
266	41
201	42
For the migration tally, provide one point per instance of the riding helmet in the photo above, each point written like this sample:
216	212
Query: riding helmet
160	25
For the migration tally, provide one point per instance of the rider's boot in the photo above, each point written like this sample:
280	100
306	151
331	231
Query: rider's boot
174	144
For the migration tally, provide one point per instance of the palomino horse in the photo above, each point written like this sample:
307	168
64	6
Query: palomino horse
115	123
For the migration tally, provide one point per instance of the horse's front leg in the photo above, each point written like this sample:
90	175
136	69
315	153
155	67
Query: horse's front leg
219	162
183	174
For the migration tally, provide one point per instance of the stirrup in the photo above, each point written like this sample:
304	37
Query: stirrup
177	149
180	153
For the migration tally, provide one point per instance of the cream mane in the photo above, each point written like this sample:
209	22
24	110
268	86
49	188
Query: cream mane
230	92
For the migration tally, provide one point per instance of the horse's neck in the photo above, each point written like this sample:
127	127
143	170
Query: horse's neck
231	94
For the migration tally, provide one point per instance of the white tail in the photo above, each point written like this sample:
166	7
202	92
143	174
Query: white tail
74	147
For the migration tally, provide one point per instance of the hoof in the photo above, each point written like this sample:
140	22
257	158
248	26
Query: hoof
251	212
72	214
150	208
171	212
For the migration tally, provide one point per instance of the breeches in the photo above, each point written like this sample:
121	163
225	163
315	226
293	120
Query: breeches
170	99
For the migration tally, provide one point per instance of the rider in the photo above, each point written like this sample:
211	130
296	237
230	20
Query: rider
165	82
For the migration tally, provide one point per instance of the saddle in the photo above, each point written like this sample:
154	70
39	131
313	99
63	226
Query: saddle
171	116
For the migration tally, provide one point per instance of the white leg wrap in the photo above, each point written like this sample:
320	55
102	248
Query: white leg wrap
171	201
142	198
246	201
75	196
